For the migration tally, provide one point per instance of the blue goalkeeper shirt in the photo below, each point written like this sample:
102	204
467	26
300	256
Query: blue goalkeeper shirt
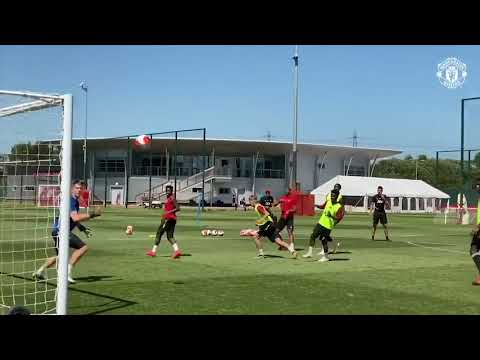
74	206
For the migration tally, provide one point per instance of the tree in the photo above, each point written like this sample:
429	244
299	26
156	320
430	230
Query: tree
422	157
476	160
448	171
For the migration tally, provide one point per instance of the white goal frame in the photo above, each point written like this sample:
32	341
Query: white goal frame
43	101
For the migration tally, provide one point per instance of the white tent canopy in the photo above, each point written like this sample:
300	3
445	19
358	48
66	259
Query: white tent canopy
361	186
365	187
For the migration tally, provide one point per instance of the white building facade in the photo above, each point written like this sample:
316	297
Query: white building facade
239	167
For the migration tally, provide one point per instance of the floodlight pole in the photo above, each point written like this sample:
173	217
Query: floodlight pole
84	87
295	121
203	165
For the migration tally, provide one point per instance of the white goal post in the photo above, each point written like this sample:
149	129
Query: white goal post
32	102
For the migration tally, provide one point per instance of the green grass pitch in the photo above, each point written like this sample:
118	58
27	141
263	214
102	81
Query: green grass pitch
425	270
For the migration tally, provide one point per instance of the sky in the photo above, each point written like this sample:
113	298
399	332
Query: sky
389	94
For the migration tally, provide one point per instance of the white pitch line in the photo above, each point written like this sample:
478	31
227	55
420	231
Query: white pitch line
439	249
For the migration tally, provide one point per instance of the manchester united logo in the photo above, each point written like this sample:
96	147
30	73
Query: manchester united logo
452	73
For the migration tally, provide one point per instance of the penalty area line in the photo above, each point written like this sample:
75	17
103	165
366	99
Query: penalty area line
436	248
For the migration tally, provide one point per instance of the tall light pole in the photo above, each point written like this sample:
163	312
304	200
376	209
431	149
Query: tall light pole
295	121
84	87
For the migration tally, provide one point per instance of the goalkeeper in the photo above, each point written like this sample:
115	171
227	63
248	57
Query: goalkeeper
475	245
331	216
74	241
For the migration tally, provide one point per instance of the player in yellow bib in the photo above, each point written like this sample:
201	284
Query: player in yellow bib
475	245
266	228
332	214
339	200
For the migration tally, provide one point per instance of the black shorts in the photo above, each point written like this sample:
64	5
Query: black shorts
168	226
269	231
321	232
288	222
379	216
74	241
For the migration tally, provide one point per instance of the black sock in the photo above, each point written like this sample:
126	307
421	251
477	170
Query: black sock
476	260
158	237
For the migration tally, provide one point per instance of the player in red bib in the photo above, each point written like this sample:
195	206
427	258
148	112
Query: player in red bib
288	206
169	220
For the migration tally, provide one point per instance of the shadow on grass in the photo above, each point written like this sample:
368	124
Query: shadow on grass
169	256
339	259
95	278
114	303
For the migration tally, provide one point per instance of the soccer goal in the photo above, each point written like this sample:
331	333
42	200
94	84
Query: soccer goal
35	177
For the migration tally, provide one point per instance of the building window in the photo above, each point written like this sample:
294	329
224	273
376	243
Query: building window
396	201
29	188
224	191
197	190
355	170
111	166
429	203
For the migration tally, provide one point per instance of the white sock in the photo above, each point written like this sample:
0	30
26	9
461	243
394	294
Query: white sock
291	247
41	269
154	248
260	252
70	269
310	249
322	252
175	247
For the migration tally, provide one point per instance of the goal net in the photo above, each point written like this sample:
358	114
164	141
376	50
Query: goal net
35	176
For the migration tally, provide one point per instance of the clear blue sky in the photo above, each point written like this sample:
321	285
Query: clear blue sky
390	94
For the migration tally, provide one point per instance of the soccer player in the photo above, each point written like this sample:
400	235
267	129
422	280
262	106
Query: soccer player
266	228
340	197
337	187
169	220
288	205
379	215
475	245
267	200
331	216
74	241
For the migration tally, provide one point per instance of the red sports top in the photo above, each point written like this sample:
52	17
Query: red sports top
287	205
170	205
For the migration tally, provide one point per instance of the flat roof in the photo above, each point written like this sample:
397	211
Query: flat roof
249	145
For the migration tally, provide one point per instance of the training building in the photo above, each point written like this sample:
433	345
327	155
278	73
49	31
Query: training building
119	172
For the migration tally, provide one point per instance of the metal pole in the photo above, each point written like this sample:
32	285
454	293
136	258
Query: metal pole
203	165
469	159
295	122
127	172
150	176
462	145
436	169
105	179
175	166
84	87
66	179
